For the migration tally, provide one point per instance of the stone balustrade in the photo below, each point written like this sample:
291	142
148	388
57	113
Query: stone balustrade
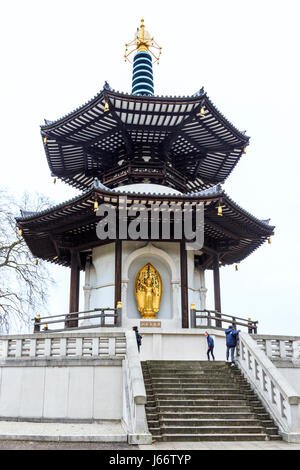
66	345
279	348
134	395
280	399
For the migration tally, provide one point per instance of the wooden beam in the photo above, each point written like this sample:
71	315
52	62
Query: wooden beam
74	288
184	286
129	144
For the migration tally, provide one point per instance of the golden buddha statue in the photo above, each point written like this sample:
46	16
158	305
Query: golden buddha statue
148	290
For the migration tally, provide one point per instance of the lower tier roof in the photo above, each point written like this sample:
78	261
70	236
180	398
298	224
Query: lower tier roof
54	233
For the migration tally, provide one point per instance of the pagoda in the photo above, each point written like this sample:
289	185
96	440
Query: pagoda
145	150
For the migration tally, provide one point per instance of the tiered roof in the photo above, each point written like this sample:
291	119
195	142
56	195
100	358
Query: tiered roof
52	233
182	142
116	139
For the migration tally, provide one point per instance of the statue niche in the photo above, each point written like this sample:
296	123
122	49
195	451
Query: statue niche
148	290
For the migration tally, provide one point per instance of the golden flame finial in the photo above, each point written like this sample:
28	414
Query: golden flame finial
143	42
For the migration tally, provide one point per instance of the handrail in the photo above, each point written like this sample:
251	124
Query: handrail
278	395
70	320
220	318
77	313
135	369
134	394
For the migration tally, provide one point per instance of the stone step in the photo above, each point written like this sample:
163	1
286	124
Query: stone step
212	430
205	365
165	415
195	389
212	437
194	383
208	366
188	377
209	380
192	372
202	409
156	436
182	379
157	427
212	422
203	402
220	395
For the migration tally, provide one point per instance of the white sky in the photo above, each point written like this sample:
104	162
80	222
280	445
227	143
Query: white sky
56	55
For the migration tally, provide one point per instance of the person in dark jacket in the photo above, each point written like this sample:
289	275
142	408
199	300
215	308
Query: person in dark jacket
231	338
138	337
210	346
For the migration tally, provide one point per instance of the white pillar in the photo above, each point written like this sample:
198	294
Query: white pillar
203	291
175	303
87	284
124	287
87	289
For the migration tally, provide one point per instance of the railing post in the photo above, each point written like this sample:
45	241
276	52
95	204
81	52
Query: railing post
37	321
296	351
67	321
119	314
193	316
74	287
250	326
102	318
18	352
208	319
234	322
32	350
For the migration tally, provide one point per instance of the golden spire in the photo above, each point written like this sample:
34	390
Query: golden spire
143	42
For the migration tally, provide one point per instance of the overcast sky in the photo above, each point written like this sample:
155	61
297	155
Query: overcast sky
57	55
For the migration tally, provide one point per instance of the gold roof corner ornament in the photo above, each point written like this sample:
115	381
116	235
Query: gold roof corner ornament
143	42
148	291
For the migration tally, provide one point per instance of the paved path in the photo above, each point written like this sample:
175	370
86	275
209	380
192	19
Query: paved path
16	435
218	445
122	446
43	445
108	431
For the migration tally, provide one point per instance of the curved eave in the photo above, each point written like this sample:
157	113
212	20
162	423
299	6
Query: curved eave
108	92
90	141
243	232
216	193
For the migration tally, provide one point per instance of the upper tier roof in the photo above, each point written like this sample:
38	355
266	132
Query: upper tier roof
163	140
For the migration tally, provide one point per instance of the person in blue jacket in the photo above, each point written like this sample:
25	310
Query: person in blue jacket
210	346
231	338
138	337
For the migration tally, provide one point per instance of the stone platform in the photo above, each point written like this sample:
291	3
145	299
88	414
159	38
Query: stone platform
108	431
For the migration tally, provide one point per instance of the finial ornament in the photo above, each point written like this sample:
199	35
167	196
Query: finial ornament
143	42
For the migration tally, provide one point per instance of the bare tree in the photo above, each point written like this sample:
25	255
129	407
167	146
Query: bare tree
23	282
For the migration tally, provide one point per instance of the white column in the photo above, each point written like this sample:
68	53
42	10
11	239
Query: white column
87	284
203	291
87	289
175	303
124	287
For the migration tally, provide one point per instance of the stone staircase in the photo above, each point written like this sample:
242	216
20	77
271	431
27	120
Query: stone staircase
203	401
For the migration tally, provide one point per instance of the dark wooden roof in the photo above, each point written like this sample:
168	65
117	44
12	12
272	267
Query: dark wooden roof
156	139
53	233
